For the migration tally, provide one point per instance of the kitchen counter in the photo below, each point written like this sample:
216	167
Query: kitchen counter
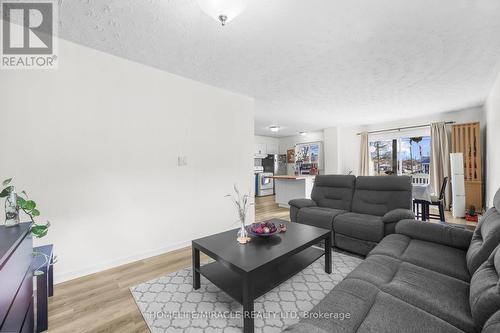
292	176
290	187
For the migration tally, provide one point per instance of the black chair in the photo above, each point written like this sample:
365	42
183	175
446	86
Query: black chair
421	209
440	202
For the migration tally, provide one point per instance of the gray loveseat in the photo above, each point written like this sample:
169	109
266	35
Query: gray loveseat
360	211
424	278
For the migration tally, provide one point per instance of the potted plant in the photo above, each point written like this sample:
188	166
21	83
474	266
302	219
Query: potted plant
14	203
471	214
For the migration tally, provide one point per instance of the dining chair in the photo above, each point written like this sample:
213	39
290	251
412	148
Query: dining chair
439	201
421	209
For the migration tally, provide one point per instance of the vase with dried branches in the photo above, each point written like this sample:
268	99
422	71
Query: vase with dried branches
242	203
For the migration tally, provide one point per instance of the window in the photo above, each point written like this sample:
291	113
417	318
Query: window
381	153
402	154
414	155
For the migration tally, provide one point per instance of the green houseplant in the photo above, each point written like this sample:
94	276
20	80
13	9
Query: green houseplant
29	207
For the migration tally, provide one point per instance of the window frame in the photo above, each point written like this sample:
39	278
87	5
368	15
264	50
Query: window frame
396	138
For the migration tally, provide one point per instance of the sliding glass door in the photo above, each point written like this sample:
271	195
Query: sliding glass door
401	154
415	157
383	155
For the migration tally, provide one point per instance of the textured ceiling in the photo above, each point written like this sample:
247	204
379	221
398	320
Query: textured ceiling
310	64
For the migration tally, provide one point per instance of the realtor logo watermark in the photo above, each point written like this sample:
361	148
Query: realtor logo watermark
29	35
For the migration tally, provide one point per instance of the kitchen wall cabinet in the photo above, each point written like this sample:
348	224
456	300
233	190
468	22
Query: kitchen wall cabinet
283	149
260	148
272	148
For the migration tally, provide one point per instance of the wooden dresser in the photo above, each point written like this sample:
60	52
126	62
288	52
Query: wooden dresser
466	139
16	279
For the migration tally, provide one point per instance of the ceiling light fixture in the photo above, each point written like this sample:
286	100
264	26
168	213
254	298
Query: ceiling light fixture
302	133
222	11
274	128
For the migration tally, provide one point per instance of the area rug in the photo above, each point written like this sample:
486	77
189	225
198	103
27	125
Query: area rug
169	303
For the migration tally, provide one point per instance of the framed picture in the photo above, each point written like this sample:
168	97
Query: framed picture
290	156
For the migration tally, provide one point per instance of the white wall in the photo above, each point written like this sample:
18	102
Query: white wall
349	142
332	150
96	143
492	110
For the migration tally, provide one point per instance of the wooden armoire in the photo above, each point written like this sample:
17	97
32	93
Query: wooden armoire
466	139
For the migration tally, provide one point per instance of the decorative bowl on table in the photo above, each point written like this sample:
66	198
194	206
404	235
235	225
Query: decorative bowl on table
262	229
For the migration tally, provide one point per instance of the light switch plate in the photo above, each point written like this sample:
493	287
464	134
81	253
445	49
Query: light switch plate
181	160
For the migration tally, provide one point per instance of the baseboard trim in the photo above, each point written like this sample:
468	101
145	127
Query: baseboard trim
63	277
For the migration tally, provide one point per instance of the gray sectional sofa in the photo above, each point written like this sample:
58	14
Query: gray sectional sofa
360	211
425	277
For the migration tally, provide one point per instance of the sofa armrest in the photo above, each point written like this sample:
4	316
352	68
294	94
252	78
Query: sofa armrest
302	203
297	204
397	215
436	233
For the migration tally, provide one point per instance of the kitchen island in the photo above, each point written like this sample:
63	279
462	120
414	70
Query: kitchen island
292	187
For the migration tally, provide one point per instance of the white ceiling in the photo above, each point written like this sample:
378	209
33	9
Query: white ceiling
310	64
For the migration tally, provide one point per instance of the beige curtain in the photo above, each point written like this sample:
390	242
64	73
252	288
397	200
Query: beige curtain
364	161
440	159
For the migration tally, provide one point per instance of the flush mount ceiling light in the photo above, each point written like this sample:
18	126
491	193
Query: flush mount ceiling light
274	128
302	133
222	11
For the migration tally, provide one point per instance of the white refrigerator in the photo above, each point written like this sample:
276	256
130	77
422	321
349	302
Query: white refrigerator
457	184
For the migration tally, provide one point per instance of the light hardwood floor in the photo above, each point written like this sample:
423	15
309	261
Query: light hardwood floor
102	302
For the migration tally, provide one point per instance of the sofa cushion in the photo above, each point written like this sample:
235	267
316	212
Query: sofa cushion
321	217
360	226
485	239
368	310
443	234
439	258
485	289
333	191
440	295
351	244
376	269
390	314
493	324
303	327
378	195
392	245
350	296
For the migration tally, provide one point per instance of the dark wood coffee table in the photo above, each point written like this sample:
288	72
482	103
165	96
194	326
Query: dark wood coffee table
248	271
